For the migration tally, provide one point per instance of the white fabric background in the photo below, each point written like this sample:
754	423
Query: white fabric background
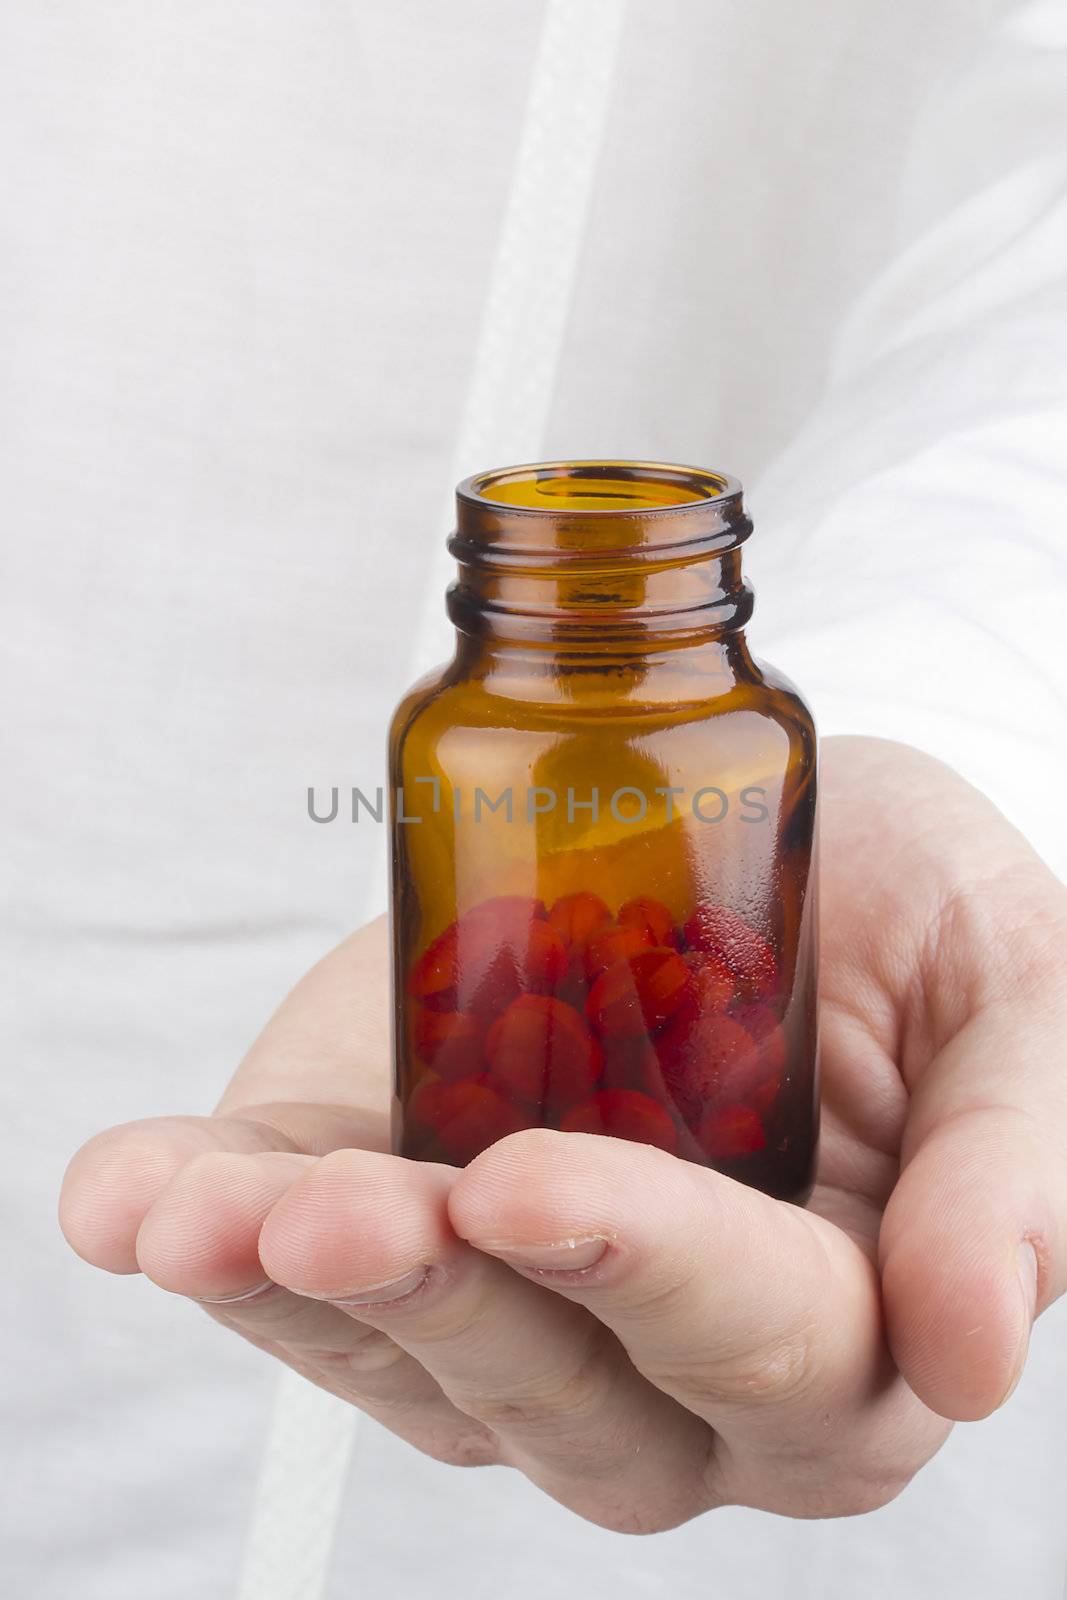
245	261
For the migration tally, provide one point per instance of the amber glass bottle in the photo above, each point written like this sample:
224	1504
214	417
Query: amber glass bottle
603	824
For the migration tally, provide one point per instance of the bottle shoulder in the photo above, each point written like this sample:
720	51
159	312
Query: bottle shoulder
423	694
449	710
784	697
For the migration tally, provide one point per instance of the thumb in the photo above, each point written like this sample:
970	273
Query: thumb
974	1239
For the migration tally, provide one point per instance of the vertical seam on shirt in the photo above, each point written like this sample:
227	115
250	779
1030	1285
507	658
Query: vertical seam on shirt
307	1453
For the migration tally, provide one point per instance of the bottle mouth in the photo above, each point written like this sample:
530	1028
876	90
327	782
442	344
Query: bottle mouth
562	513
597	488
599	550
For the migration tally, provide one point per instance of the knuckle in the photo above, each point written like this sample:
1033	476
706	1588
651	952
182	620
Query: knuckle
783	1373
854	1494
660	1303
636	1520
375	1356
658	1511
463	1451
812	1485
872	1493
454	1442
664	1503
543	1406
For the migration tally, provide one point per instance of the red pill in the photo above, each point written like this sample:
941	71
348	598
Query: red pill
467	1117
700	1059
733	1132
589	957
638	995
711	982
653	919
433	977
451	1042
709	992
762	1098
501	948
624	1114
576	916
573	987
722	933
544	959
746	1077
633	1064
762	1023
607	946
420	1102
541	1052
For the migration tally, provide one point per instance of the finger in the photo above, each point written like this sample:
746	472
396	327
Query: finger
958	960
758	1318
371	1234
974	1239
200	1239
113	1180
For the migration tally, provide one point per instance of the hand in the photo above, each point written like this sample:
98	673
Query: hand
642	1338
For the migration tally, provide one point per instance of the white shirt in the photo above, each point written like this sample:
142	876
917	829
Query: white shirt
275	276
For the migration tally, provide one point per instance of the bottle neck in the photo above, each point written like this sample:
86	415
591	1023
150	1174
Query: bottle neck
595	558
608	675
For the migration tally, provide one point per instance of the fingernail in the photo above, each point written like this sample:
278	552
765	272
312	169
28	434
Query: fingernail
569	1255
380	1294
1027	1258
234	1299
1026	1262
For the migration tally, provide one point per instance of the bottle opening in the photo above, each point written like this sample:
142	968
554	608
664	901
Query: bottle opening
596	486
584	549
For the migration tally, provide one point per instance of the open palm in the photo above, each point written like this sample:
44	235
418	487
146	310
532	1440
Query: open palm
643	1338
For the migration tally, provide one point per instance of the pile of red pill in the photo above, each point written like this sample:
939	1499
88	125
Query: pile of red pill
573	1018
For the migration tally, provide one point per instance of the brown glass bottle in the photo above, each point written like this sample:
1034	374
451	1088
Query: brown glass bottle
603	898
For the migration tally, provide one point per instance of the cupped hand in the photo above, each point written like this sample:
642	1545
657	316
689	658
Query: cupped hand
643	1338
